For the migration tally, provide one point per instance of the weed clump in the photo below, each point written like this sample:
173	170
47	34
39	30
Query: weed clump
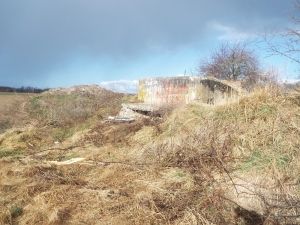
10	153
16	211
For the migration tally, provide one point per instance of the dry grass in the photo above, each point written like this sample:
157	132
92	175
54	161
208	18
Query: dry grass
62	109
234	164
12	110
259	136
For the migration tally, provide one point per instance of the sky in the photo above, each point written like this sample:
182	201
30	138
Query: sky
57	43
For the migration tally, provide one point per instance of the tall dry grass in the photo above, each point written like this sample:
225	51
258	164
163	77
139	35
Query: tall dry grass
233	164
257	138
63	109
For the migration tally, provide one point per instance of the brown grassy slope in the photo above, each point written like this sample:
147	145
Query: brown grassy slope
186	170
12	110
57	115
62	107
250	149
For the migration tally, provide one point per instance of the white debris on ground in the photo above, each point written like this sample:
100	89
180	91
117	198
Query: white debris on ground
131	112
119	119
67	162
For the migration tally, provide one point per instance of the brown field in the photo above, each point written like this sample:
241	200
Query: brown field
233	164
12	109
9	100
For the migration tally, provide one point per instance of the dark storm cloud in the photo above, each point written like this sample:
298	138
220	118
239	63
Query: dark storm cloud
37	36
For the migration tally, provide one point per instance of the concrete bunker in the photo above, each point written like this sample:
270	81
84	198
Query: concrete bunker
184	90
156	93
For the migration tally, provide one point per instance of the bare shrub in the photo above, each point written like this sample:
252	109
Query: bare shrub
233	62
286	43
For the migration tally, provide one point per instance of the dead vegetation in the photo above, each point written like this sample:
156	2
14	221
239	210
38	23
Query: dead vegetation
12	112
234	164
67	106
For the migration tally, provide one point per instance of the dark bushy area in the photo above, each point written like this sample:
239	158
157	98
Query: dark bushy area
22	89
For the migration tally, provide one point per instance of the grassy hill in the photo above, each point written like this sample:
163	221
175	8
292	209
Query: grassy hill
232	164
12	111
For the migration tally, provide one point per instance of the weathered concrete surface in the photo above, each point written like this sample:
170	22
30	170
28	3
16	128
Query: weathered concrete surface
157	93
141	107
137	110
120	119
186	89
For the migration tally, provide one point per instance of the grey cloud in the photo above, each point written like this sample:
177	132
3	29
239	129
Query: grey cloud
37	36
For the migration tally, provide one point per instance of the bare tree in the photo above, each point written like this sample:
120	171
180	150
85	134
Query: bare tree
287	43
232	62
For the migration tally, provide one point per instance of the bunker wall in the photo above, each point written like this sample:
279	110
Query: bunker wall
184	90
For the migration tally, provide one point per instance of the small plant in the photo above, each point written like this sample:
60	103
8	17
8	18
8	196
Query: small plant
260	160
265	111
16	211
283	160
35	102
62	134
180	174
35	108
256	160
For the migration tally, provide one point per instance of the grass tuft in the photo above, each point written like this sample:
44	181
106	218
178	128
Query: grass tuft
10	153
